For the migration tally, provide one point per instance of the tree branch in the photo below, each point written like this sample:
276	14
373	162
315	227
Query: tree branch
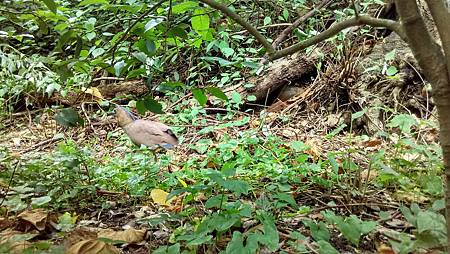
140	18
296	23
336	28
251	29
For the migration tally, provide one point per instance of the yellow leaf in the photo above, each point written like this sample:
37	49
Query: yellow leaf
183	183
159	196
93	91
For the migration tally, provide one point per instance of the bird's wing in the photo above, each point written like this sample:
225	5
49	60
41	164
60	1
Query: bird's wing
151	133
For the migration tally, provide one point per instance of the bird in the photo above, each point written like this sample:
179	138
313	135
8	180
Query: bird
151	134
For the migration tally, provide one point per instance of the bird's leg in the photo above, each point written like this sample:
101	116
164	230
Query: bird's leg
154	154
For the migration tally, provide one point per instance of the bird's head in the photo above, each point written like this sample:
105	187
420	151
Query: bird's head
124	117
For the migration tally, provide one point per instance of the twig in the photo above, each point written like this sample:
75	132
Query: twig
107	78
294	25
43	143
10	181
139	19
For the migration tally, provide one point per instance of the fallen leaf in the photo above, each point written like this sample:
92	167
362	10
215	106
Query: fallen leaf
78	235
15	241
92	247
160	197
37	217
384	249
130	235
93	91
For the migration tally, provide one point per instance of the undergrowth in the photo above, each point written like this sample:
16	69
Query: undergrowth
248	190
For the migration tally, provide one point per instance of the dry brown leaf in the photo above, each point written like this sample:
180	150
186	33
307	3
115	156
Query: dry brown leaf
369	176
313	150
37	217
78	235
130	235
384	249
16	240
410	197
92	247
372	143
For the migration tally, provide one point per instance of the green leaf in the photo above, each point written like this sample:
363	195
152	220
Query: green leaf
251	98
50	4
40	200
236	245
217	93
215	201
174	249
200	21
267	20
184	6
299	146
68	117
319	232
66	222
89	2
358	114
236	97
237	186
97	52
118	67
271	235
430	221
199	95
404	122
391	70
326	248
149	104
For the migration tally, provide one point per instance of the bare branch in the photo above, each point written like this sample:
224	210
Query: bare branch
336	28
251	29
294	25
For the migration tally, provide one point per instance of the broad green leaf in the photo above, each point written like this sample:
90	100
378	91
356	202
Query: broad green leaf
68	117
326	248
215	201
319	232
391	70
236	245
118	67
97	52
184	6
236	97
430	221
404	122
267	20
271	235
200	21
217	93
89	2
50	4
149	104
299	146
237	186
40	200
152	23
199	95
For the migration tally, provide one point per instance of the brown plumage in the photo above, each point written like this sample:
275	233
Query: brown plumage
145	132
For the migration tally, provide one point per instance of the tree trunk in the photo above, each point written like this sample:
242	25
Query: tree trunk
434	64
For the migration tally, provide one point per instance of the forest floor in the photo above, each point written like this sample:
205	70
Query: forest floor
294	185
